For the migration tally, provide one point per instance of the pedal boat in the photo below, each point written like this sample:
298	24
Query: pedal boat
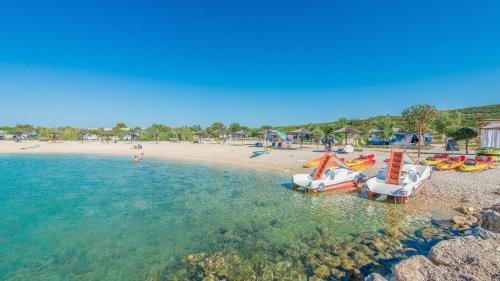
402	179
330	175
435	160
451	164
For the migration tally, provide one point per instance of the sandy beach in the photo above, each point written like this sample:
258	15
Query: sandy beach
446	191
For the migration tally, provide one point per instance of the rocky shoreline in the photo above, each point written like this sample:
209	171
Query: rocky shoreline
475	256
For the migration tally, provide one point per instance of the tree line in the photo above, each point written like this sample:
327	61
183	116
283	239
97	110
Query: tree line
418	118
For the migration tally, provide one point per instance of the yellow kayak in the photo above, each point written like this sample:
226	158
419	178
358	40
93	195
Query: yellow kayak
361	163
448	165
474	166
435	160
315	162
432	161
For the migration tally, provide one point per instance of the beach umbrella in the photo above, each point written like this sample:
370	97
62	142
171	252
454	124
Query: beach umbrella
301	133
345	131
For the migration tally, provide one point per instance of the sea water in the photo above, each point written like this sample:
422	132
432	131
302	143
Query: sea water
109	218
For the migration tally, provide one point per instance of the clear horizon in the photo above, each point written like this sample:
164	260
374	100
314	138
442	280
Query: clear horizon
95	63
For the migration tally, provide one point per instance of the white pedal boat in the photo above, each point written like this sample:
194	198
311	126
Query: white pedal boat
406	180
330	175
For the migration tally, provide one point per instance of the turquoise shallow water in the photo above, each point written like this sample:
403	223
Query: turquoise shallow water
107	218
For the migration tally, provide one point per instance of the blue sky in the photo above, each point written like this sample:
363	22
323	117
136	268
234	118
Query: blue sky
95	63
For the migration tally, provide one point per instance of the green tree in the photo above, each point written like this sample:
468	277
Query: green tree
447	122
318	134
465	134
385	125
256	133
417	118
234	127
362	126
120	125
216	129
157	132
184	134
118	130
340	123
69	133
328	128
196	128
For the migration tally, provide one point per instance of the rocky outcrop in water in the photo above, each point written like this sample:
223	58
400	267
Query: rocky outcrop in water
465	258
472	257
490	218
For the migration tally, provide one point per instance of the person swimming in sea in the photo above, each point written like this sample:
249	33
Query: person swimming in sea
137	159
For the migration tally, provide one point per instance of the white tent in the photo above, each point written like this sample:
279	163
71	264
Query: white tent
490	134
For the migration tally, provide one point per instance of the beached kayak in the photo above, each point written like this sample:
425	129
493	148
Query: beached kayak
436	159
493	152
258	153
451	163
361	163
489	151
475	165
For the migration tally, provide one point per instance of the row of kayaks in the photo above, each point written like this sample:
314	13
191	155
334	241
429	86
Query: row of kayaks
490	151
444	162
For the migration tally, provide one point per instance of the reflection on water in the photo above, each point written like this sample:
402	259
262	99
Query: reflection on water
106	218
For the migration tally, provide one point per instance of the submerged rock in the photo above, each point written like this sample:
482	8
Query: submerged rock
466	210
392	231
490	218
322	271
417	268
482	233
458	220
375	277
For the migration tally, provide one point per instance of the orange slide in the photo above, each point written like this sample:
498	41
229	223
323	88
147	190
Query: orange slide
395	167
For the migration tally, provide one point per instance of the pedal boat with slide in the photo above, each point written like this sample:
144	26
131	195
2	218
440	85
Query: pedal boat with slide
330	175
401	179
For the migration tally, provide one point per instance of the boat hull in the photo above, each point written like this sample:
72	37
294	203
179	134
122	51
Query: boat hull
399	198
343	186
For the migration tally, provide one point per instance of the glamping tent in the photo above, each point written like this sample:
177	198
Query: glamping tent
489	133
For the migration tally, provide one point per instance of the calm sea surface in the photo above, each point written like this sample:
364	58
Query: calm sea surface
107	218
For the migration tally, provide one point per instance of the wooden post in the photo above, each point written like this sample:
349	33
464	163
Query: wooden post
420	137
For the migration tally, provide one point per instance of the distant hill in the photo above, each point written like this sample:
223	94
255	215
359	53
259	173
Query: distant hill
470	117
473	114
